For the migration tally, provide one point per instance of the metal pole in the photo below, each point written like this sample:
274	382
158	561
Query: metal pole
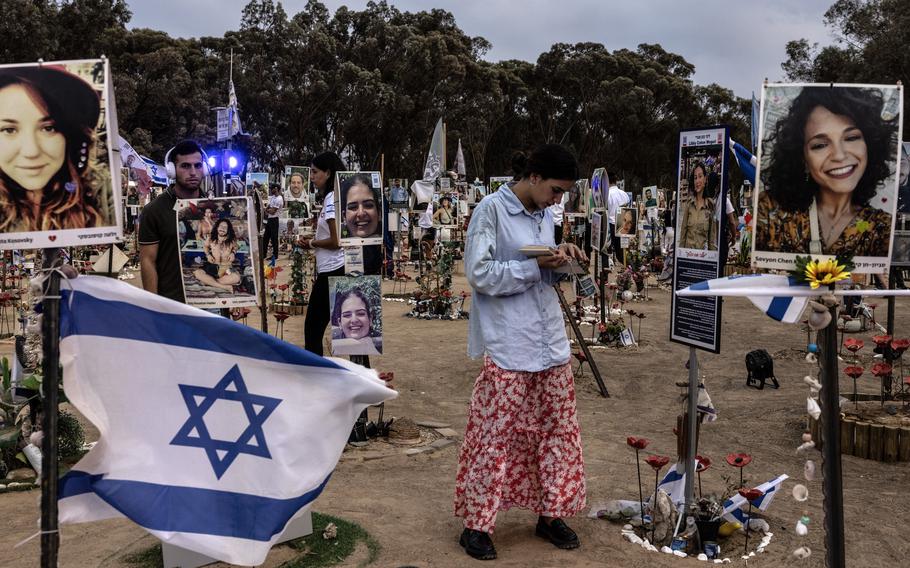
832	475
691	427
260	232
891	299
567	310
50	366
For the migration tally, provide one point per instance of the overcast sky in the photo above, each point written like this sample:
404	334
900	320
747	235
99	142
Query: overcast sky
735	43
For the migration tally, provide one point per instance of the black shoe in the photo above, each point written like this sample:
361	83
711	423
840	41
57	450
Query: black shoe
558	533
477	544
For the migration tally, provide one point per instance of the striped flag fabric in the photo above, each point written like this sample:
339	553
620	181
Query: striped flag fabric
746	161
213	435
733	507
779	296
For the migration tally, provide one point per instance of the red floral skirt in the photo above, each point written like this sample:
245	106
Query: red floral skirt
522	447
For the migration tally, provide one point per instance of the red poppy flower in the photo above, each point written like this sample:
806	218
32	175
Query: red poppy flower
657	462
702	463
246	311
881	369
882	340
282	287
854	371
281	316
637	443
853	344
751	494
739	460
580	356
387	376
631	312
640	315
273	286
900	345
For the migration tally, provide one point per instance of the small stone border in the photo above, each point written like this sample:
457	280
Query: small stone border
628	533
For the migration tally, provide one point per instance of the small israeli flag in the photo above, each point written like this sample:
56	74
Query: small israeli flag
781	297
733	507
213	435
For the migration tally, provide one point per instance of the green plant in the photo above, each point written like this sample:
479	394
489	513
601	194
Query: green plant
70	435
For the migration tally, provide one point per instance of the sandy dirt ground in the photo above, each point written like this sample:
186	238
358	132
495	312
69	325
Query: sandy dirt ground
405	502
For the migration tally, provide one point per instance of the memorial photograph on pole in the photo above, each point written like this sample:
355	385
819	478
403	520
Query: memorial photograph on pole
828	174
59	162
298	199
700	198
359	202
217	252
356	315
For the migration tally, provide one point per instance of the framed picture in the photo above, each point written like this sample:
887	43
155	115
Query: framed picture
59	127
257	181
817	144
356	315
358	204
577	203
627	221
398	194
298	197
600	187
217	252
497	181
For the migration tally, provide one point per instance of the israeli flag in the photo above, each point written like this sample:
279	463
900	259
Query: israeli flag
674	483
733	507
746	161
157	172
781	297
213	435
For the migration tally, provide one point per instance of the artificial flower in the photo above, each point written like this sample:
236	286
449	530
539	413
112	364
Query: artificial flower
881	369
854	371
751	495
637	443
853	344
657	462
899	346
825	273
739	460
882	340
702	463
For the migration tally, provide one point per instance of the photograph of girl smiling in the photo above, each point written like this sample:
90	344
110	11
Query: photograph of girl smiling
356	315
360	201
55	177
828	174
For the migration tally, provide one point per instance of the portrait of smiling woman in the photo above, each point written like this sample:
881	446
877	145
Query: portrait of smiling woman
356	316
824	163
362	207
48	119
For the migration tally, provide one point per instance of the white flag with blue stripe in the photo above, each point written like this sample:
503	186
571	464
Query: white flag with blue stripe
213	435
781	297
733	507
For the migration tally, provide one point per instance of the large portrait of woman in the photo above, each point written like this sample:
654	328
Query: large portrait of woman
828	174
57	186
360	203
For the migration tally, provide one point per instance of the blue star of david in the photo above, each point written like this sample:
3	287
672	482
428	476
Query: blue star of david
195	434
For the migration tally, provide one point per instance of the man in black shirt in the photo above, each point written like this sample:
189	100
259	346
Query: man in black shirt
159	255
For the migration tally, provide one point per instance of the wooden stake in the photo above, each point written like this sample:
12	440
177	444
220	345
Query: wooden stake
861	441
847	431
890	444
876	435
903	452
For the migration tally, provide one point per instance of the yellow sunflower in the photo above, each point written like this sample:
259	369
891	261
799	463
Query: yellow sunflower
825	272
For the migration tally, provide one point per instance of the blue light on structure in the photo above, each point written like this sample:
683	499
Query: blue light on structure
212	161
232	162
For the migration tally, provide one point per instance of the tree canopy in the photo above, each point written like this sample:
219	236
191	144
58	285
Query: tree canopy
373	82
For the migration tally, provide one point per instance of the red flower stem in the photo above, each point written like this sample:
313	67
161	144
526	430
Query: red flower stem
654	504
700	494
641	497
741	476
855	396
748	522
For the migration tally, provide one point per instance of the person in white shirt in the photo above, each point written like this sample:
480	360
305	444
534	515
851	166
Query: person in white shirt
616	198
272	210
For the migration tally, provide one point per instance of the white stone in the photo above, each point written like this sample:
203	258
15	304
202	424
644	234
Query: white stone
718	561
680	553
703	557
801	529
751	554
666	550
627	527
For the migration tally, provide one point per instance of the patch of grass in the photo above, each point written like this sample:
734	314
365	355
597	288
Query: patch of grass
149	558
314	551
320	553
